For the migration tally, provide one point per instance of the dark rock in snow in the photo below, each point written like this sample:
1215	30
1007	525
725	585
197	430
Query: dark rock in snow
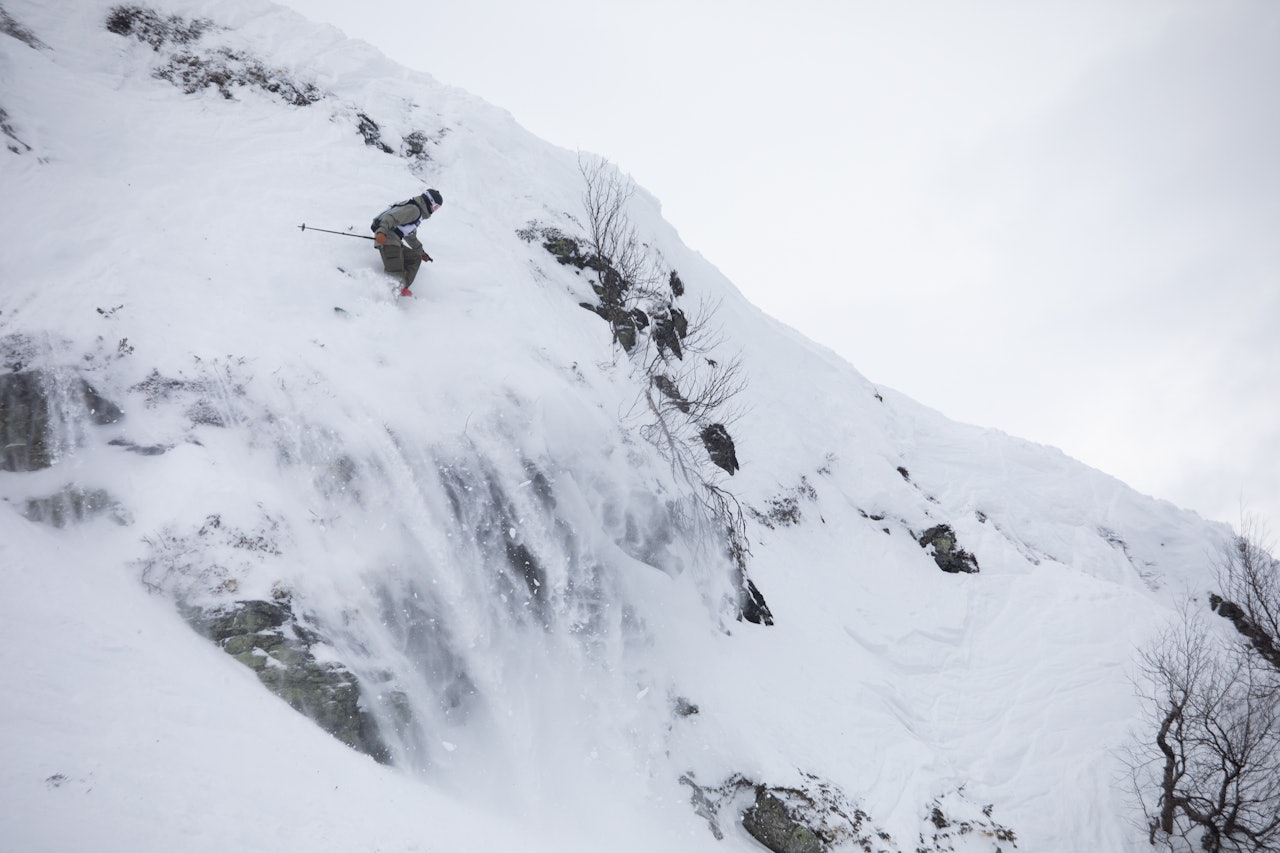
150	27
770	822
669	390
266	637
34	404
141	449
946	552
11	27
670	328
75	504
1262	642
815	816
752	606
720	445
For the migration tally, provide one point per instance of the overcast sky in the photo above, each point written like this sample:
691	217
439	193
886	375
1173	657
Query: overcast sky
1059	219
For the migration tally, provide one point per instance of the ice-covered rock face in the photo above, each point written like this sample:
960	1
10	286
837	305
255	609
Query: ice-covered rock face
406	593
43	416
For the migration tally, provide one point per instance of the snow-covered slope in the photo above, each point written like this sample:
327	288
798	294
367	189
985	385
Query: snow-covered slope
456	500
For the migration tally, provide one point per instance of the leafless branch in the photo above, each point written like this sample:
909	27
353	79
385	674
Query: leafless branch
1213	762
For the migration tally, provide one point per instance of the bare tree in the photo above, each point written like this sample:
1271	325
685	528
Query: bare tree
687	389
611	234
687	393
1209	777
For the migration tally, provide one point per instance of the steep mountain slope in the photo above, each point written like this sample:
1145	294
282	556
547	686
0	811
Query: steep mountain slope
453	530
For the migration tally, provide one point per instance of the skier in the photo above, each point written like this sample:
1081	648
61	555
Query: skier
394	229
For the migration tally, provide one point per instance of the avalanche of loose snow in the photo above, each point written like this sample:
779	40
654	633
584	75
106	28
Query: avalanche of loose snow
373	466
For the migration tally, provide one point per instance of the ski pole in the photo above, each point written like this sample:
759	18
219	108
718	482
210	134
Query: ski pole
303	227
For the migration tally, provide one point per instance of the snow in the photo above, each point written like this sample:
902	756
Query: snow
390	455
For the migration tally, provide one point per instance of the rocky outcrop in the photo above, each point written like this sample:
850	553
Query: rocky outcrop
720	446
670	328
751	604
1263	643
775	825
266	637
947	553
11	27
814	816
668	388
34	406
74	504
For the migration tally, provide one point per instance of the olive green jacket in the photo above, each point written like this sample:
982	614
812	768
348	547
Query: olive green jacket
400	221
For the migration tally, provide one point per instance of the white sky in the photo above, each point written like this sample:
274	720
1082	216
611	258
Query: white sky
1059	219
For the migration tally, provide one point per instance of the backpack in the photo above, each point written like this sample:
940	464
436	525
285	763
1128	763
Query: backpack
373	226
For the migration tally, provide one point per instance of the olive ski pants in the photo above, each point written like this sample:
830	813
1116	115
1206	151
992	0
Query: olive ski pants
401	260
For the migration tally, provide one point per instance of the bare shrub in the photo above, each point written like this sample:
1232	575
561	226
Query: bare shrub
688	395
1207	771
610	232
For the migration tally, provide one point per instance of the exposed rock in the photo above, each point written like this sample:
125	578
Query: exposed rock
772	823
141	449
7	129
955	824
569	251
24	423
946	552
669	330
1263	643
222	68
720	446
245	617
148	26
372	134
75	504
816	817
626	325
266	637
704	806
230	70
751	604
33	404
617	304
414	146
669	390
812	818
11	27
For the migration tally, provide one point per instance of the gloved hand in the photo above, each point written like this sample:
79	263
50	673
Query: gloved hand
380	238
426	257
